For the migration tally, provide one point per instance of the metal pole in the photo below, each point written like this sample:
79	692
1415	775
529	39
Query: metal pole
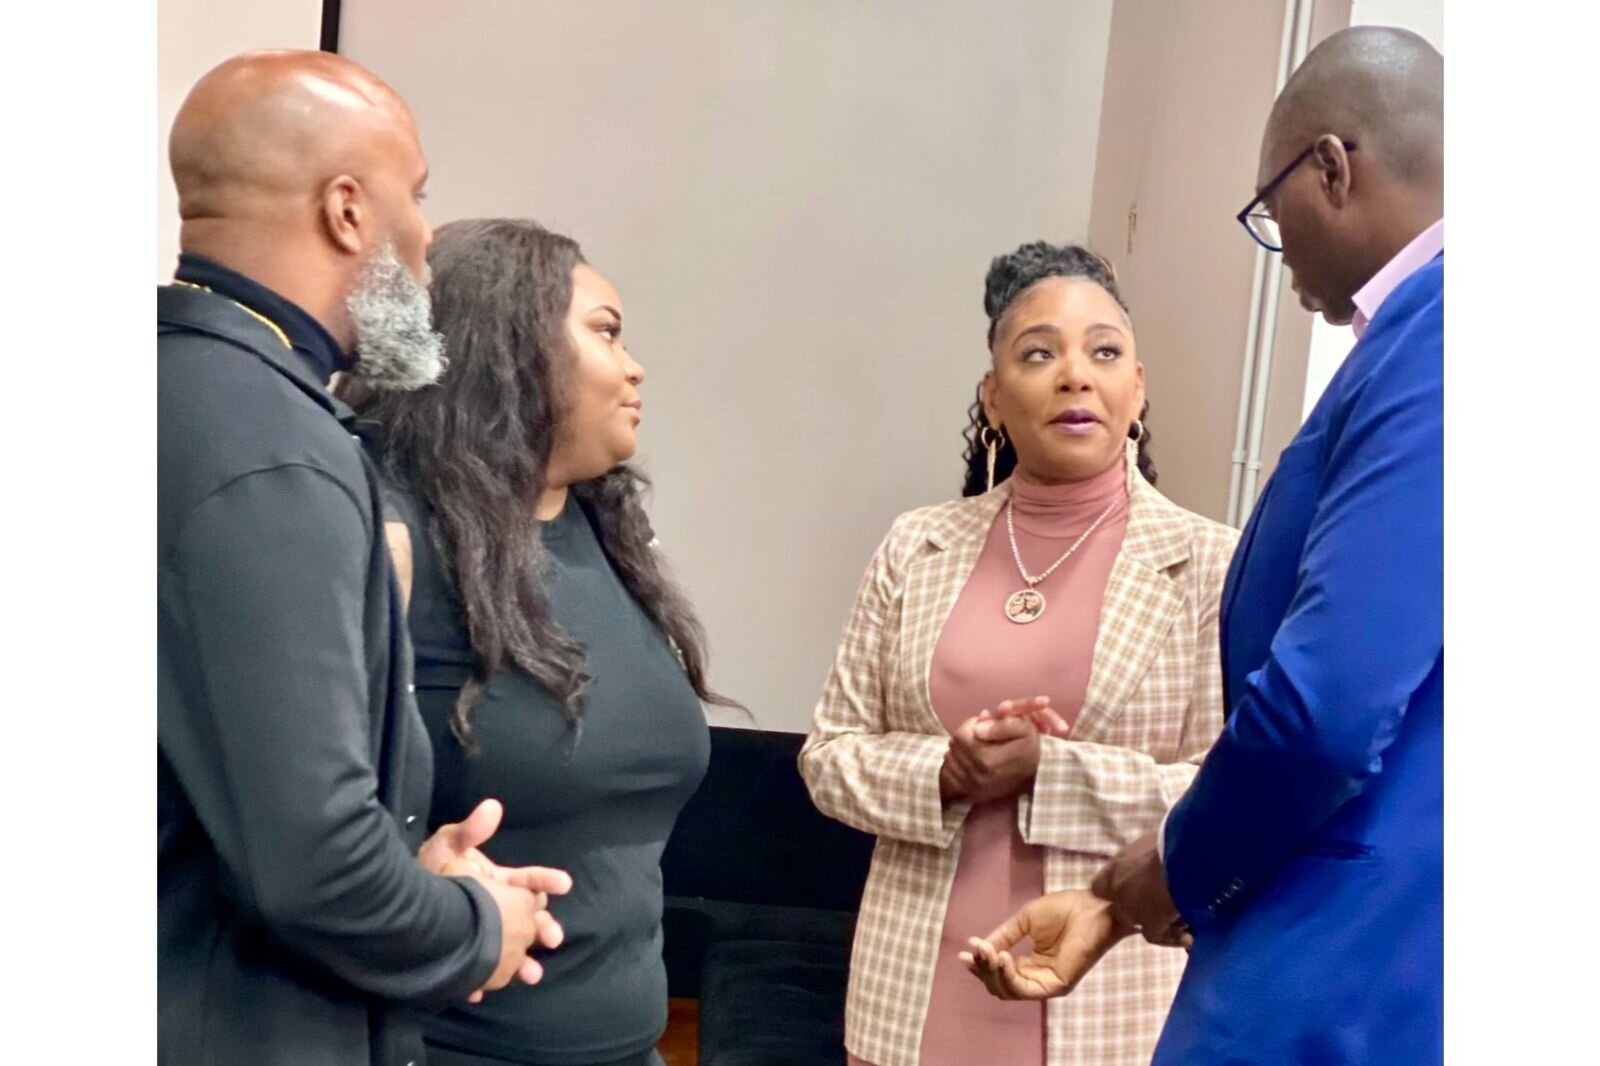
1271	297
1237	507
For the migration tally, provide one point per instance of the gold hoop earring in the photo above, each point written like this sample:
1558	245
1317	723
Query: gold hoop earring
992	440
1136	431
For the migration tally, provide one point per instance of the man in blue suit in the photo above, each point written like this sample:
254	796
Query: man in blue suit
1304	866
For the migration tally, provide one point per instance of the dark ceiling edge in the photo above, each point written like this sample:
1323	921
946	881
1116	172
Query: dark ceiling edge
330	25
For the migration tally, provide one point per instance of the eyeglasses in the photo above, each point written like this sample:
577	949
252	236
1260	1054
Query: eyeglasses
1257	220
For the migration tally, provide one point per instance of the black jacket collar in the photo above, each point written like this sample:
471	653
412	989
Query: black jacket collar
308	337
182	309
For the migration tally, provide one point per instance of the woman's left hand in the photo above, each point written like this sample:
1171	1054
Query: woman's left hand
1037	710
993	759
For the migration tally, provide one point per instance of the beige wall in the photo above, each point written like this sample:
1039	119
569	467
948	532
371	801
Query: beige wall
798	201
192	36
1292	347
1188	89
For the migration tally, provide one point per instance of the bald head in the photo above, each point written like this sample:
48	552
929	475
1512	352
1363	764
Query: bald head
1379	87
1352	161
267	128
297	169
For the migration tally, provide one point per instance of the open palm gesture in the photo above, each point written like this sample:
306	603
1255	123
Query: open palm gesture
1071	931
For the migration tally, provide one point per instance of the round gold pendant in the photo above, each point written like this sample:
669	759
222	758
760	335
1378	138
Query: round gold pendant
1024	606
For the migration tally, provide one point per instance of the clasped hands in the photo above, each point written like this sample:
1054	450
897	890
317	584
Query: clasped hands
521	893
995	754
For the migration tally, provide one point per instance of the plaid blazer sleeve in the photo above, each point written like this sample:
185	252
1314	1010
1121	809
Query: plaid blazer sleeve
860	771
1097	798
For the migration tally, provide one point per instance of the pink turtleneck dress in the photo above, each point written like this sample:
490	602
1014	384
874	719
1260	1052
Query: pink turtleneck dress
981	659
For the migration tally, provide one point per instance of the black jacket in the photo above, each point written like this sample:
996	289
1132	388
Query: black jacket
294	774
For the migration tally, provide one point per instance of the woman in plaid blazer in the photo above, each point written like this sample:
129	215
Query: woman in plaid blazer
1074	581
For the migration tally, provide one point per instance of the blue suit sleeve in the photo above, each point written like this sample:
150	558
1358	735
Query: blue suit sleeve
1363	632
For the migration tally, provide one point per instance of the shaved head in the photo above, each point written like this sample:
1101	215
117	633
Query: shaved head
1364	116
1378	86
303	171
268	128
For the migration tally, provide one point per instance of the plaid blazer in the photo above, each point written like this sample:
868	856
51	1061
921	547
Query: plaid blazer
1153	708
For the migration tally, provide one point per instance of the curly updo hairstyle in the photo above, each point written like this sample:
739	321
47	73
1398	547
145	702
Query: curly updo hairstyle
1009	277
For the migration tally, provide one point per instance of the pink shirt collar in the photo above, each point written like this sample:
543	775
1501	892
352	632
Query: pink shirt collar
1412	258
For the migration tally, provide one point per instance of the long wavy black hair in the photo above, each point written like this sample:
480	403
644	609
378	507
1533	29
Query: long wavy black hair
1009	277
476	447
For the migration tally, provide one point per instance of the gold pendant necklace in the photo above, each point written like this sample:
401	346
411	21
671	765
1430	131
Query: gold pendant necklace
1027	604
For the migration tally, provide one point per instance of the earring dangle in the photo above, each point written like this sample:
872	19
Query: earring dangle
992	440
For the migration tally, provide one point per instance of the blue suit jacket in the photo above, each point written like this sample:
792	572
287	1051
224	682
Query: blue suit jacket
1308	854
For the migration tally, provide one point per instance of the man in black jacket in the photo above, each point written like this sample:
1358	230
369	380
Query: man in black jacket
296	922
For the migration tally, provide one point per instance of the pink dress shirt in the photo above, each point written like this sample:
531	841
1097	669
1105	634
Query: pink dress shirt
1412	258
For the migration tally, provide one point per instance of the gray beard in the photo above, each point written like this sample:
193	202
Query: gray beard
396	346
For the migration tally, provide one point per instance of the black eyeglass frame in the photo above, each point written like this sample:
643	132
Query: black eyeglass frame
1267	190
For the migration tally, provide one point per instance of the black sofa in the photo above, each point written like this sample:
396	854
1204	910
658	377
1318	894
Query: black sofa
761	900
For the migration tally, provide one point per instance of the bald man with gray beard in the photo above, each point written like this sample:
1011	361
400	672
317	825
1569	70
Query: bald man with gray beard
301	912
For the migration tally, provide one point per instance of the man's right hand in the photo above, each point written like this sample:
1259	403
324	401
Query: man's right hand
524	922
1134	882
521	893
454	851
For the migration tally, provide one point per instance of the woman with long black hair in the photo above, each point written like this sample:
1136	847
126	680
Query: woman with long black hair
558	668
